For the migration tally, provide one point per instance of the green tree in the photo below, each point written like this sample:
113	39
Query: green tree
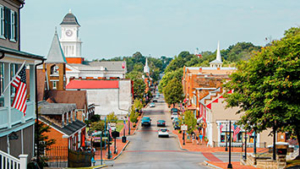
133	115
190	120
267	87
168	77
44	140
111	117
173	92
98	126
138	104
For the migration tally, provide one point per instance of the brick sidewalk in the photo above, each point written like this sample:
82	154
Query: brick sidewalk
235	165
120	146
208	153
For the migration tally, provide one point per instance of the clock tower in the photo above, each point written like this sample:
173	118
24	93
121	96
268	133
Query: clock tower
70	41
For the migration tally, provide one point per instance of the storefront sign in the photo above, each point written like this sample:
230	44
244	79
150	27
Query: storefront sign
184	127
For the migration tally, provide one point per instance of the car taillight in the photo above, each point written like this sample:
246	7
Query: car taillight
164	123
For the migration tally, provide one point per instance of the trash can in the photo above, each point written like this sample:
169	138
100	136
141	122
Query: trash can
124	139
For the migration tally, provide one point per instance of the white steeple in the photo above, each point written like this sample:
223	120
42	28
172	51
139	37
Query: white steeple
218	58
146	67
218	61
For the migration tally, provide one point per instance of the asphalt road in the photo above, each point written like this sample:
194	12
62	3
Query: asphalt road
146	150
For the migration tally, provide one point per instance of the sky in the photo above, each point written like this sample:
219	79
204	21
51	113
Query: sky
112	28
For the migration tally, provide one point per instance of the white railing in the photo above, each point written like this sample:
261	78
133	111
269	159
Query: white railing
10	162
16	116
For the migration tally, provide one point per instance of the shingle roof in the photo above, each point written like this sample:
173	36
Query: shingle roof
46	108
56	55
69	129
77	97
93	84
70	19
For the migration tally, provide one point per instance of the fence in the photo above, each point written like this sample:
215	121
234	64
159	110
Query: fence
9	162
57	156
239	144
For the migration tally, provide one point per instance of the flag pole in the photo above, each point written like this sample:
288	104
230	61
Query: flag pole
14	76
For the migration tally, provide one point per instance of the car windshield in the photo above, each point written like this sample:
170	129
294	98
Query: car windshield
163	130
146	118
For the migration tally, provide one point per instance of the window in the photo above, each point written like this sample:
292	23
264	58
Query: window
1	84
1	22
54	84
8	24
13	31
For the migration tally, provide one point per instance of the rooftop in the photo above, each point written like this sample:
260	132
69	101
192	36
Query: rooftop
70	19
93	84
46	108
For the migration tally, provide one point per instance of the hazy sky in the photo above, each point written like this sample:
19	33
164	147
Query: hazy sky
112	28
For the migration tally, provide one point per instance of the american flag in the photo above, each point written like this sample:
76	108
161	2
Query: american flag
236	131
19	82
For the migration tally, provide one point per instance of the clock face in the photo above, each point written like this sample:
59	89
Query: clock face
69	33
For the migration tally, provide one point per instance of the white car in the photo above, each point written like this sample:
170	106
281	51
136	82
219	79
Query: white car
174	115
163	132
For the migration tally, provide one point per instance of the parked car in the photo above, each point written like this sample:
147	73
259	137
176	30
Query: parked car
163	132
154	101
146	121
176	126
174	115
152	105
161	123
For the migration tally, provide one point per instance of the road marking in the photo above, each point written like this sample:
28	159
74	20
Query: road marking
140	151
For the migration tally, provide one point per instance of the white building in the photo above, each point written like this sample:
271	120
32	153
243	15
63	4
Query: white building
77	67
107	95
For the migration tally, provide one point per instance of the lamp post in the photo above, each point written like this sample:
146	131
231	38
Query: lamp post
128	118
183	139
245	156
229	166
101	145
226	135
254	141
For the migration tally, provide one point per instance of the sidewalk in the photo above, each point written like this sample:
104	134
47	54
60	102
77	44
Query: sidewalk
207	152
120	146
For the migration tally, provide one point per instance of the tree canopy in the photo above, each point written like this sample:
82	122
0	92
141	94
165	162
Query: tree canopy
267	87
173	92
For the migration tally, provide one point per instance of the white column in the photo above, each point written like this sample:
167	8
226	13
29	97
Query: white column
71	116
7	96
67	118
63	119
79	138
23	161
22	142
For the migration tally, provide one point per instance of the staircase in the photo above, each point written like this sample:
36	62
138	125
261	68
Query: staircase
10	162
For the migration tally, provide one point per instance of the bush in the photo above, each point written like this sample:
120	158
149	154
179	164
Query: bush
111	117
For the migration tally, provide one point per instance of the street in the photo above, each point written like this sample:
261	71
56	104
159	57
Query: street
146	150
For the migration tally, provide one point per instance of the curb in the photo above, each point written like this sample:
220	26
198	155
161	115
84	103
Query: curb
211	165
180	144
100	167
122	150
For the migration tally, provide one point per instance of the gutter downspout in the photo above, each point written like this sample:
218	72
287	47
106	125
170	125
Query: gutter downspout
37	113
19	26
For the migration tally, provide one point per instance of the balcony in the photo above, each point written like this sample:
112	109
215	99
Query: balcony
16	116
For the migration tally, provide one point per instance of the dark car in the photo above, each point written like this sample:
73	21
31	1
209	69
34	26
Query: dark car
154	101
174	110
161	123
176	125
146	121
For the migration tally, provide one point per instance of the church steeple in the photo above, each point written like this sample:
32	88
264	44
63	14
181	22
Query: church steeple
218	61
56	65
56	55
146	67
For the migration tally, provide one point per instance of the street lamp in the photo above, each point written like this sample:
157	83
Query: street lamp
226	135
245	156
229	164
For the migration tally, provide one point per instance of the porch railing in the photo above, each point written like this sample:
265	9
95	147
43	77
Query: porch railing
9	162
16	115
